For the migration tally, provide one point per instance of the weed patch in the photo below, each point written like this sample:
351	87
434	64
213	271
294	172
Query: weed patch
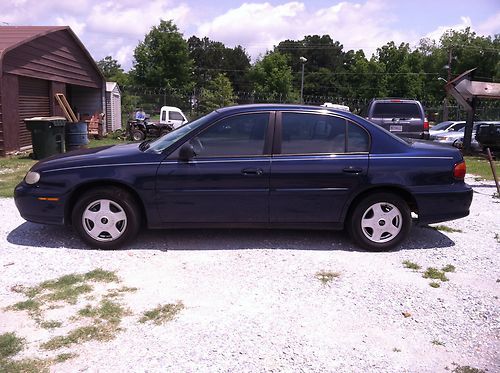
436	342
435	274
162	314
410	265
61	358
10	344
434	284
107	310
445	228
326	276
83	334
448	268
50	324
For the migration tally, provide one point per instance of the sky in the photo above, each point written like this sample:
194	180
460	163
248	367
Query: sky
116	27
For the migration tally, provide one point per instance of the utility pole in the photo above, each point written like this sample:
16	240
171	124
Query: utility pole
446	99
303	60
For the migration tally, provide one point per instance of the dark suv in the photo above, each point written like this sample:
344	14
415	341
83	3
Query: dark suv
405	118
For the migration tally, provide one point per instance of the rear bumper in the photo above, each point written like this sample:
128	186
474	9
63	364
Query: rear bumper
444	205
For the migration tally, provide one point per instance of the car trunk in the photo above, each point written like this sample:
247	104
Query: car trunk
398	117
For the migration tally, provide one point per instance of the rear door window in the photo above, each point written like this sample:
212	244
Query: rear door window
396	110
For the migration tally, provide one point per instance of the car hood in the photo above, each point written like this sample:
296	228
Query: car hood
126	153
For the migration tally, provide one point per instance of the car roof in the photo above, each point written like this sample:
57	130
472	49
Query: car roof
281	107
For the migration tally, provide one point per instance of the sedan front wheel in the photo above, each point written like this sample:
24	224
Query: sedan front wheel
106	218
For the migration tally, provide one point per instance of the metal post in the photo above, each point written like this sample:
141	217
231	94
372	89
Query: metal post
302	86
303	60
468	126
446	99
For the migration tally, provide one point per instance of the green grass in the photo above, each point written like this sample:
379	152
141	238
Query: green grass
24	366
434	284
435	274
448	268
99	332
51	324
100	275
29	305
162	314
106	141
107	310
10	345
12	171
411	265
481	167
61	358
326	276
445	228
466	369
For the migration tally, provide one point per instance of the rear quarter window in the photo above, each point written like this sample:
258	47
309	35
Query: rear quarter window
396	110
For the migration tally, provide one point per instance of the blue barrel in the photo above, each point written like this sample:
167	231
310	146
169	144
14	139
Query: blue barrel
76	135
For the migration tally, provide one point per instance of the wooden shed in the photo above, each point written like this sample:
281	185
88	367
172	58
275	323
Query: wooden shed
36	62
113	106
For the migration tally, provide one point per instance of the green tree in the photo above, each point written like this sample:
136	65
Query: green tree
272	77
218	93
109	67
212	57
162	59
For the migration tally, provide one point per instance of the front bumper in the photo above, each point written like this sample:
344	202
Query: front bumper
32	208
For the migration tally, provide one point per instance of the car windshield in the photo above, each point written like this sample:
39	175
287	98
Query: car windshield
170	138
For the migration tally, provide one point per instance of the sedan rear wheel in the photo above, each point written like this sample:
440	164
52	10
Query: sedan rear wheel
106	217
380	222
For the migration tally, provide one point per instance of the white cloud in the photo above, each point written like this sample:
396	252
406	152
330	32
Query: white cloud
77	27
260	26
438	32
491	26
115	18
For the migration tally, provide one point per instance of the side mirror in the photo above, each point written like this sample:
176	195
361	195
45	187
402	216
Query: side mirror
186	152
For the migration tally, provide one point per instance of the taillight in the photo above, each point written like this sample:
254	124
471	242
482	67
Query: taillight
426	125
459	171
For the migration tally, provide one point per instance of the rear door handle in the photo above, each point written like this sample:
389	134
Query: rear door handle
352	170
252	171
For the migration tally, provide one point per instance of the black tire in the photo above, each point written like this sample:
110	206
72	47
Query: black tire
391	218
121	219
138	135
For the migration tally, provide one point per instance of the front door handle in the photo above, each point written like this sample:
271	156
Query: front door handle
352	170
252	171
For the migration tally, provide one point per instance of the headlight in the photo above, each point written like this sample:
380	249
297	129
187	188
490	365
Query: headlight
32	177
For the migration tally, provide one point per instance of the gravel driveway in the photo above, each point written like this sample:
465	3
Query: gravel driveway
252	301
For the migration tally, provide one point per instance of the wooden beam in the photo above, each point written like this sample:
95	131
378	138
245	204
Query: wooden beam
66	107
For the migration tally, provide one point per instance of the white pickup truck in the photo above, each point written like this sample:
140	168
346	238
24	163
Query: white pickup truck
172	116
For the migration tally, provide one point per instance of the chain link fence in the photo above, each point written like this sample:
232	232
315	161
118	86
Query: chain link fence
152	99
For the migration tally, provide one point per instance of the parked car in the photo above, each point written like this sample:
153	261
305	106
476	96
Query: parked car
405	118
488	135
253	166
456	138
336	106
445	127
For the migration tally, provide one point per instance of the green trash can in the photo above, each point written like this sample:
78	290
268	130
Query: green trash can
47	135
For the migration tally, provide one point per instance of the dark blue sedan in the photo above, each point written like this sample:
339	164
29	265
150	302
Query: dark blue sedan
253	166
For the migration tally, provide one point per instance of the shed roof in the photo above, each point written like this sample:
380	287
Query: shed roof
14	36
110	86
